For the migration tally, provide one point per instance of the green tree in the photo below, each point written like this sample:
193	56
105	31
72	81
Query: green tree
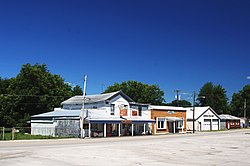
214	96
238	101
181	103
34	90
77	90
139	92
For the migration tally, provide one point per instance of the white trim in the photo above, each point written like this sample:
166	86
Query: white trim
164	122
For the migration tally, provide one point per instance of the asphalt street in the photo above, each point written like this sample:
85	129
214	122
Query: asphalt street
203	148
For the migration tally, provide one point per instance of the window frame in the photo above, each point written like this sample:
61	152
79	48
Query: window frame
181	124
112	109
162	124
139	110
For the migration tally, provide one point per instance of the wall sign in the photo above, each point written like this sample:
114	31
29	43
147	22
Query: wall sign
170	112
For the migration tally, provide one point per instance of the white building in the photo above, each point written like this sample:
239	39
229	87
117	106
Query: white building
110	114
205	119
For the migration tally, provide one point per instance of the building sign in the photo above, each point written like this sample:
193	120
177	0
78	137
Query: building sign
208	115
170	112
134	112
123	110
127	122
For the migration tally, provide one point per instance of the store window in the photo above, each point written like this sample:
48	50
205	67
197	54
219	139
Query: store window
179	124
161	124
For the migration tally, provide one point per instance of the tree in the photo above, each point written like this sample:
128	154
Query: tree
237	103
181	103
34	90
77	90
214	96
139	92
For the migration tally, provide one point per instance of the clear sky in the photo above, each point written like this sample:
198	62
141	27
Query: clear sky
176	44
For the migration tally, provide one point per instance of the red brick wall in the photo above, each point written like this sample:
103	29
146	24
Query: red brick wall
164	113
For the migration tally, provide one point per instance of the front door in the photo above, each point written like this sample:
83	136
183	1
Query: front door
170	127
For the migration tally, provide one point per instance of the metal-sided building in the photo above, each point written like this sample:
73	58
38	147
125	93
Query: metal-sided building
205	119
229	121
110	114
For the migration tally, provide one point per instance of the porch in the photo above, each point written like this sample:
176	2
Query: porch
117	128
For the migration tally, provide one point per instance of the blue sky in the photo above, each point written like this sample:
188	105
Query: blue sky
176	44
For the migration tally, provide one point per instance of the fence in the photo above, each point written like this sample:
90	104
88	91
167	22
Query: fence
24	133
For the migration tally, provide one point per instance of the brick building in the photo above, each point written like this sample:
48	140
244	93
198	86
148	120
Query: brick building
168	119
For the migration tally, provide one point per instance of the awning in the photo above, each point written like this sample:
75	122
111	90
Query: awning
120	120
173	119
113	121
143	121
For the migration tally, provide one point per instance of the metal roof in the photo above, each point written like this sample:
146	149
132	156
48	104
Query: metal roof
95	98
59	113
228	117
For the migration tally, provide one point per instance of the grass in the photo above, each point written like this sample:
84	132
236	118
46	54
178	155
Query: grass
25	136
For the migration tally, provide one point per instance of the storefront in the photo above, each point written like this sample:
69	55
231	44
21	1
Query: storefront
118	127
168	119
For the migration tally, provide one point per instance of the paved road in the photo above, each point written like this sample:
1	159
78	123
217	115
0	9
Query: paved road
206	148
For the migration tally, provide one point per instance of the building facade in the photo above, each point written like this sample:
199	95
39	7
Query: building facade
206	119
102	115
168	119
229	122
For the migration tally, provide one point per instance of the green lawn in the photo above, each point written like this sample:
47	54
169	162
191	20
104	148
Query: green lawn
24	136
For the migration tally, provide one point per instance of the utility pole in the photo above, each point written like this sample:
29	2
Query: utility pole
245	108
82	109
194	113
177	95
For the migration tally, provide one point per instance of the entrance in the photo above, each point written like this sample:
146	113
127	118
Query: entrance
170	126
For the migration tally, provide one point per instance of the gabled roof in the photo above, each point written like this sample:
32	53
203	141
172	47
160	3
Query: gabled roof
228	117
199	111
167	108
96	98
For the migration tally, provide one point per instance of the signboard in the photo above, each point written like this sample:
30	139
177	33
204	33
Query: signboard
170	112
127	122
123	112
208	115
134	113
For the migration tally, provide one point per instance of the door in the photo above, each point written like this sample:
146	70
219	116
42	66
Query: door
206	124
215	124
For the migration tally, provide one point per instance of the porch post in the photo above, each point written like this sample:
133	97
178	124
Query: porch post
155	128
119	129
182	127
105	129
144	128
174	126
89	129
132	129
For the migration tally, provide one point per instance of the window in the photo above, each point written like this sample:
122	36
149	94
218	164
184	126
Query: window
179	124
139	110
112	109
161	124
